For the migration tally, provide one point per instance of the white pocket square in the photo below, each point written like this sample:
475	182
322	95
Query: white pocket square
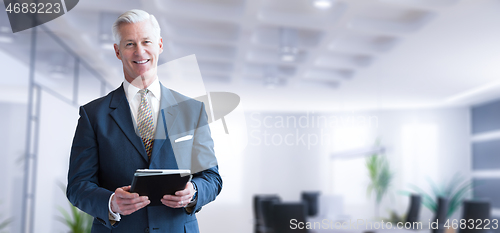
185	138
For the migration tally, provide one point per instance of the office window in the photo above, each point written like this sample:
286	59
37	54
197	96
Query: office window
419	153
349	175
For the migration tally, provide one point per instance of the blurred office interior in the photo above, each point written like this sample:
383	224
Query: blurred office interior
323	86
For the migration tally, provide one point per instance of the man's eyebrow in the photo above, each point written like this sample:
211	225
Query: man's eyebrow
145	38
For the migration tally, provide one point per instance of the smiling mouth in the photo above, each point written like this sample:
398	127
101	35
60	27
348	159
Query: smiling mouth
142	61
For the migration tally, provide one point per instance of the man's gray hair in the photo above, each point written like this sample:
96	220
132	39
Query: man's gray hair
134	16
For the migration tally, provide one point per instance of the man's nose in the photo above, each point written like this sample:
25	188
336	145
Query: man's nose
139	49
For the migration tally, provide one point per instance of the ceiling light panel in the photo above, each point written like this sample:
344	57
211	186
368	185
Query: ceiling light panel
216	9
389	18
323	4
329	74
358	42
336	60
273	56
207	30
259	69
180	49
315	84
424	3
300	13
270	36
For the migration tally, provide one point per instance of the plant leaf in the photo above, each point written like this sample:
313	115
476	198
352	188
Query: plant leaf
456	199
435	190
5	223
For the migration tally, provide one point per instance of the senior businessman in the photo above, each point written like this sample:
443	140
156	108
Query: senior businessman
141	124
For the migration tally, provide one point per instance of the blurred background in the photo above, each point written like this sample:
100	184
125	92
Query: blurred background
354	104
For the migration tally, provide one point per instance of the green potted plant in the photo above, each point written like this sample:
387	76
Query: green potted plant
4	223
455	191
381	177
78	221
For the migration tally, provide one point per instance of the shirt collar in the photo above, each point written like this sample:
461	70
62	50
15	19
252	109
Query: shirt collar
131	90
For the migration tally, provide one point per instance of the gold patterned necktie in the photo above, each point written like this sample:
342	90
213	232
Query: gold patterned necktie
145	124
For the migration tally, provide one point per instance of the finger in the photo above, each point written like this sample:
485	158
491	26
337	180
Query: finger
129	209
128	206
132	201
183	192
187	190
136	206
172	198
174	204
126	188
121	193
169	204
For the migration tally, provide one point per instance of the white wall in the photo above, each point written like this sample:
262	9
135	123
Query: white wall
12	138
57	126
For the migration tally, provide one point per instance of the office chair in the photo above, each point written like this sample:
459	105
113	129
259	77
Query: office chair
311	199
262	208
475	210
414	209
284	212
441	212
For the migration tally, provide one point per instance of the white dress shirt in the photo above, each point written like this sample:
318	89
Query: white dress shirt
134	101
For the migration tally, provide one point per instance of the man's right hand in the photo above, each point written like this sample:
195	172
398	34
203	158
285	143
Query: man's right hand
126	203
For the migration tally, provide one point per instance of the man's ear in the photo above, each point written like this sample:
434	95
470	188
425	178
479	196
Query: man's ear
117	51
161	45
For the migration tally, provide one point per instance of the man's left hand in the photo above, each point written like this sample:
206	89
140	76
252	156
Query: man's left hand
181	198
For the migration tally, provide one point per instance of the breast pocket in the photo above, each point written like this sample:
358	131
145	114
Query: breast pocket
182	152
184	143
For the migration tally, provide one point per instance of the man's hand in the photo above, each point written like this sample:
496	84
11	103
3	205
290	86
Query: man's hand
181	198
126	203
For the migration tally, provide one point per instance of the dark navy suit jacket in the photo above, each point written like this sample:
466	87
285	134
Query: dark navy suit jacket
106	151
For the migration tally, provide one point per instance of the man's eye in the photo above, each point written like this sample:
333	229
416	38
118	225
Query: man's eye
128	44
147	42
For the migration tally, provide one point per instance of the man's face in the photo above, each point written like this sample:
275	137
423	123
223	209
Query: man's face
139	50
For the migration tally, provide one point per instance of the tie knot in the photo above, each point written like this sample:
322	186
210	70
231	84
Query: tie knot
144	92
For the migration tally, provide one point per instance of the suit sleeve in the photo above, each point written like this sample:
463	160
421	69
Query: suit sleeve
208	180
83	189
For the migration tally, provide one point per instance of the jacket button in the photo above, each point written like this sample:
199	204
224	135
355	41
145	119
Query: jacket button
146	230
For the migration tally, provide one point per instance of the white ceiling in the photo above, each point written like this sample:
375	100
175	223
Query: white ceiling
358	54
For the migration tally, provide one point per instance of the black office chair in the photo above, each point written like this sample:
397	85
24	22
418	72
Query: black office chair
475	210
284	213
262	215
311	199
442	211
414	209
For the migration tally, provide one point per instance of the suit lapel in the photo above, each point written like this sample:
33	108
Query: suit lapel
122	116
167	115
